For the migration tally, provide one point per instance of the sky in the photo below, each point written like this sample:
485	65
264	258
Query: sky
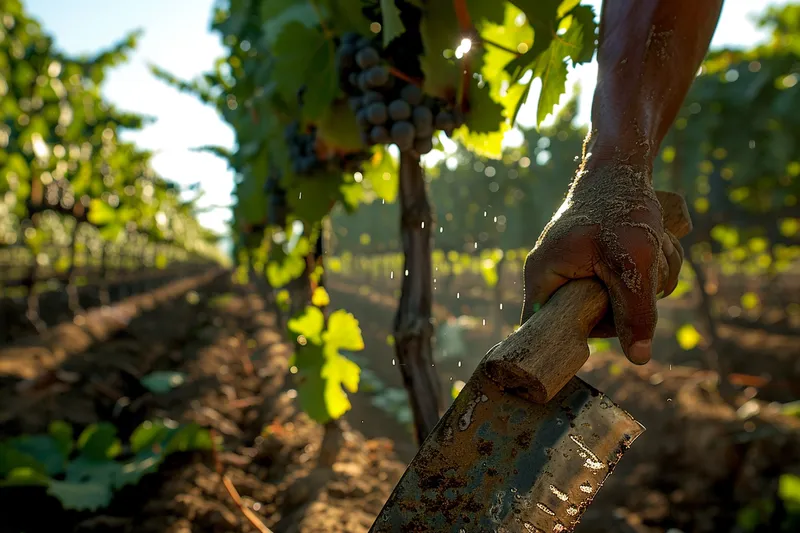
177	37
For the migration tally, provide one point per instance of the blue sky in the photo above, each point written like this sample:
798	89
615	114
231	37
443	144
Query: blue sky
177	38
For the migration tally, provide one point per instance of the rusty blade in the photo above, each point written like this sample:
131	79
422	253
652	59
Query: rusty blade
499	463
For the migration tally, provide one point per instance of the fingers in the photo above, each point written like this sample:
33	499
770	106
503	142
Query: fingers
628	273
673	252
551	265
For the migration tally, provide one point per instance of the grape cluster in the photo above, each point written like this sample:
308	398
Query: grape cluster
306	159
388	109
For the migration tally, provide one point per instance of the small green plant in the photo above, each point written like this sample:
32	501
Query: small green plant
324	374
84	473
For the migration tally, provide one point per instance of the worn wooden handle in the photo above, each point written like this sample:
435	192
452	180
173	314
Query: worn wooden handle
538	359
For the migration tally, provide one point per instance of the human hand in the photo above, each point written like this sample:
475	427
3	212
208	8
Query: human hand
610	227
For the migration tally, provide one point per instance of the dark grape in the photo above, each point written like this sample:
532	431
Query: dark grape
363	42
365	138
445	121
423	131
346	57
363	82
376	113
353	79
458	117
377	76
361	118
411	94
380	135
423	118
399	110
403	135
350	38
423	146
367	57
355	103
370	97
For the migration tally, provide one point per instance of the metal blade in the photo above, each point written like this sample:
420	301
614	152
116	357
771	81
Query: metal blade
499	463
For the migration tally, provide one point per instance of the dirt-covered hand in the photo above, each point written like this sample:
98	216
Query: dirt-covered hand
610	227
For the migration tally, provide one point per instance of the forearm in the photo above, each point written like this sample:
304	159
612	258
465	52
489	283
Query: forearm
648	56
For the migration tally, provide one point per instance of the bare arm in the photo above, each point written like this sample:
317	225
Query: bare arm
648	56
610	225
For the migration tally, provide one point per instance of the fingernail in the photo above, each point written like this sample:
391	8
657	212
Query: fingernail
640	351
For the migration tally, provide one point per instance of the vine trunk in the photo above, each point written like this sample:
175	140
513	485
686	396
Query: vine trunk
413	326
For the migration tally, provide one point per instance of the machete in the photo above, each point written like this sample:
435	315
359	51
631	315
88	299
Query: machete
526	445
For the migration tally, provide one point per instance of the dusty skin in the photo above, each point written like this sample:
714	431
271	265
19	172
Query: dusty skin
609	226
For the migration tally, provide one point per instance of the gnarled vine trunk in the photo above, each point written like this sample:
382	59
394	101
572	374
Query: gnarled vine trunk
413	326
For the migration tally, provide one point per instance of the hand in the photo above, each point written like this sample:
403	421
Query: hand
610	226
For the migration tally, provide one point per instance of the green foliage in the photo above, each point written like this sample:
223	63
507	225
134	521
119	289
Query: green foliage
60	147
161	382
323	372
83	474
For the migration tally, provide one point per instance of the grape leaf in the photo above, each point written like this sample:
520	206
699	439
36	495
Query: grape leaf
347	15
381	174
99	441
584	25
552	70
440	33
482	11
81	496
309	324
12	458
338	128
320	297
343	332
304	57
62	433
25	476
392	26
541	15
277	14
44	449
163	381
484	115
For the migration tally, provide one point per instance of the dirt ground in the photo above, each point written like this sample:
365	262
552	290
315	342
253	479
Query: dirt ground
228	345
698	463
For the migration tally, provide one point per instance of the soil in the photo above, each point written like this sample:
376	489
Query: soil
227	342
699	461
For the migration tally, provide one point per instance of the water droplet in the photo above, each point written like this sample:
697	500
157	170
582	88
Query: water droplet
572	510
459	364
394	362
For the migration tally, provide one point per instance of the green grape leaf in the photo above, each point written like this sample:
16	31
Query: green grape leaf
343	332
381	173
189	437
789	488
440	33
46	450
25	476
338	128
84	469
484	115
584	30
81	496
283	267
324	374
277	14
99	441
482	11
62	433
11	458
351	195
392	26
541	15
304	57
309	324
552	70
347	15
163	381
147	435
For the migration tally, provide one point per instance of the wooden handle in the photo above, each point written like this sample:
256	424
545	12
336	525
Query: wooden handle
538	359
